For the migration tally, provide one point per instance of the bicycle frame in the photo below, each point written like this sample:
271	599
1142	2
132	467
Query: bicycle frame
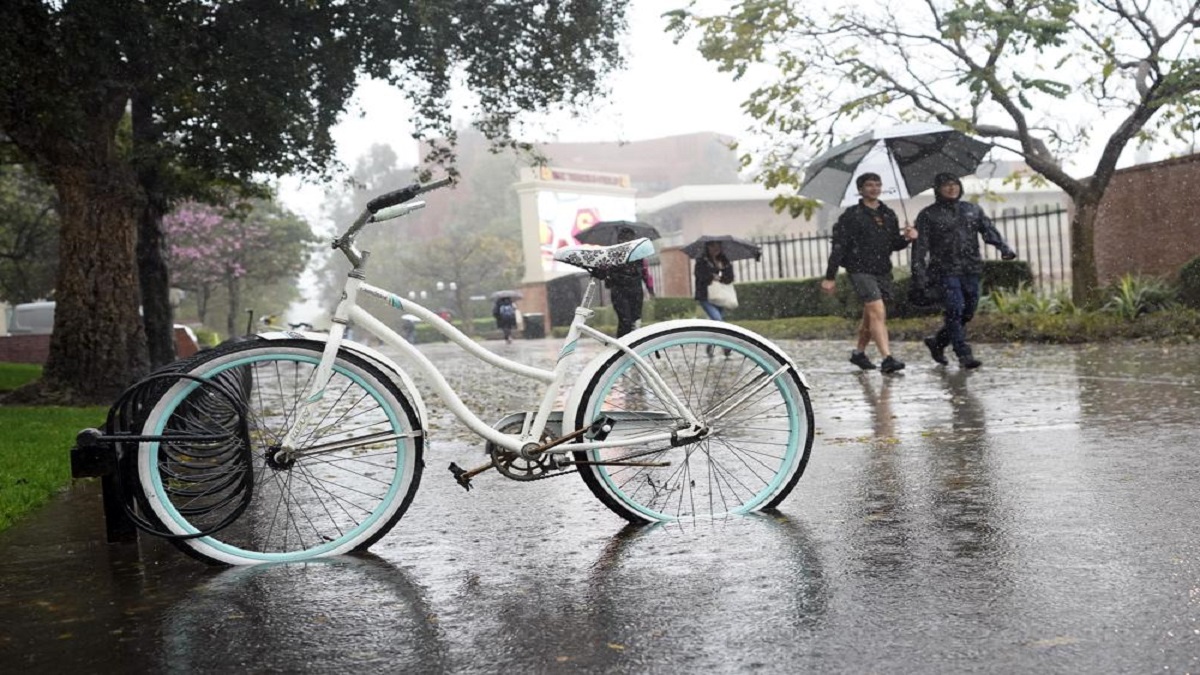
349	311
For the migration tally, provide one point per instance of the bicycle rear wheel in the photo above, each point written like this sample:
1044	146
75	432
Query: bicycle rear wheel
754	403
357	468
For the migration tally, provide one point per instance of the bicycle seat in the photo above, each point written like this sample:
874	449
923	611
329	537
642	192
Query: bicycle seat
600	258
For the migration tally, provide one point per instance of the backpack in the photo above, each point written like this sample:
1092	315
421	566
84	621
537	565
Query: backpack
508	311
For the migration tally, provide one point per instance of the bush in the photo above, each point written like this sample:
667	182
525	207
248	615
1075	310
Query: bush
1131	296
1189	283
762	300
1005	274
665	309
1028	300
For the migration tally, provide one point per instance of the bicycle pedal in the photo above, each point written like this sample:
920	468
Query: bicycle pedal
461	476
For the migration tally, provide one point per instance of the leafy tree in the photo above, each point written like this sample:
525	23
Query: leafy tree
471	247
211	249
219	93
28	236
1006	70
374	173
465	263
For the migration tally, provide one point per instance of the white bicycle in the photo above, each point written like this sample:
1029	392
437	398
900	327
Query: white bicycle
294	445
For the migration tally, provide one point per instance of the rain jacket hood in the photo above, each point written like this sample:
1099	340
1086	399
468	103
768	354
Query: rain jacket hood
940	180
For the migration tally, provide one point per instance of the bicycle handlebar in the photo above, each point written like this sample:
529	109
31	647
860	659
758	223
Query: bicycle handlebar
395	211
404	194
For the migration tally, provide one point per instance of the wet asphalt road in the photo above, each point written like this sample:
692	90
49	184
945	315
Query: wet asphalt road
1037	515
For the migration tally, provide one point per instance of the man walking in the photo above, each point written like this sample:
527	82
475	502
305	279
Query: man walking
864	238
946	260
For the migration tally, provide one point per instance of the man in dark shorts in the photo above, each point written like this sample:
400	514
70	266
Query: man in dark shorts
864	238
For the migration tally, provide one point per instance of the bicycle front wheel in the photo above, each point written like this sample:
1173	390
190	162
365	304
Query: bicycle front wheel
356	469
753	402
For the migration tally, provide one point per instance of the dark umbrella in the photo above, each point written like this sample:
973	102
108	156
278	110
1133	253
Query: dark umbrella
906	157
605	232
733	247
515	295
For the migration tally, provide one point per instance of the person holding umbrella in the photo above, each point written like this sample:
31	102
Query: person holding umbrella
946	264
625	286
712	267
505	312
864	238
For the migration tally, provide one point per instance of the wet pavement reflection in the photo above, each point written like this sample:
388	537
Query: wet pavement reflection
1036	515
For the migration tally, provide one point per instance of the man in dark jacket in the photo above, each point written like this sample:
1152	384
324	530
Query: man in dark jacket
863	240
946	261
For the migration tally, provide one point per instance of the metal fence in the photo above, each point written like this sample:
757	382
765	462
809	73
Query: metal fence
1041	237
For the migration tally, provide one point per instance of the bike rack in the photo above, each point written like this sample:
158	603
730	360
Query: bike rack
111	454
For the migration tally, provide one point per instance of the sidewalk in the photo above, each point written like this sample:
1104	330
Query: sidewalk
1050	495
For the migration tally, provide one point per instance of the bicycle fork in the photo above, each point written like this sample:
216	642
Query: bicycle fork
286	452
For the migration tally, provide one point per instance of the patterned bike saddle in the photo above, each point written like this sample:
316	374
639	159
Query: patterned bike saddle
599	259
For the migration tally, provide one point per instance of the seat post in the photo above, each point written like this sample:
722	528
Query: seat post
589	293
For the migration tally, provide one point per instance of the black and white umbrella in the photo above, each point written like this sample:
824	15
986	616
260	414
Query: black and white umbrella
906	157
605	232
514	295
734	248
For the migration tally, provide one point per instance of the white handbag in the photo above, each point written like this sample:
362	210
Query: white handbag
722	295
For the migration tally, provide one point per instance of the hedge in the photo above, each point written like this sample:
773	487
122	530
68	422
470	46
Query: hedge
765	300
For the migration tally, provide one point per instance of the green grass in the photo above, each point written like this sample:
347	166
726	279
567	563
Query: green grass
13	375
35	461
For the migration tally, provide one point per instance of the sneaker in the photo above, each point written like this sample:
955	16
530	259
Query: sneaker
969	362
890	364
860	359
937	353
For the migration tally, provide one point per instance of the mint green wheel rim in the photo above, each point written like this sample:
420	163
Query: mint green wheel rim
796	422
363	529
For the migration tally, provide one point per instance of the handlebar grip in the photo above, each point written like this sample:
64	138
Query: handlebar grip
395	211
404	194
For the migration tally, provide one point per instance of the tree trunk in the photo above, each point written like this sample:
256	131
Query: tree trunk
462	300
234	286
154	283
203	294
1084	275
154	279
98	346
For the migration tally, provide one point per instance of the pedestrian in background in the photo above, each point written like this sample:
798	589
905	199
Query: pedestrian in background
505	313
946	262
712	267
625	287
864	238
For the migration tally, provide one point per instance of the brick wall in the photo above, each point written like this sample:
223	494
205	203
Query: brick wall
24	348
1148	223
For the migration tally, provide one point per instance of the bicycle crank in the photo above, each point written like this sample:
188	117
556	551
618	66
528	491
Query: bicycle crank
533	462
